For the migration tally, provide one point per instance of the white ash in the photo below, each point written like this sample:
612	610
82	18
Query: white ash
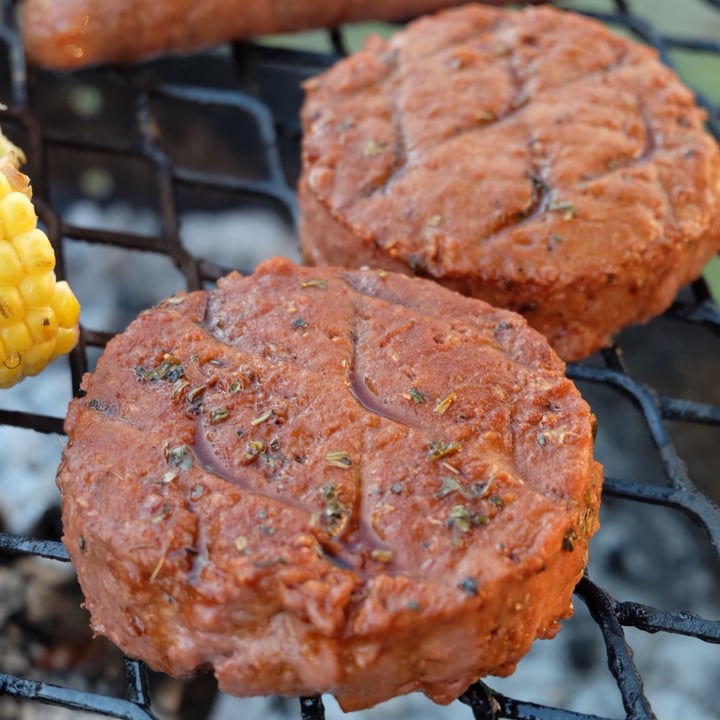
44	635
265	235
27	458
115	284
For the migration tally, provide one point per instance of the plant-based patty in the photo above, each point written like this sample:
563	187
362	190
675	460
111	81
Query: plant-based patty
328	480
529	158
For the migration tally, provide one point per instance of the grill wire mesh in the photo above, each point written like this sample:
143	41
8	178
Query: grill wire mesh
255	89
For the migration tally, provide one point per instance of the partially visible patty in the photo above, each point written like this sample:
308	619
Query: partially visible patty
530	158
328	480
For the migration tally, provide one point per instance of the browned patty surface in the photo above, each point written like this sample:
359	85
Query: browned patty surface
530	158
75	33
327	480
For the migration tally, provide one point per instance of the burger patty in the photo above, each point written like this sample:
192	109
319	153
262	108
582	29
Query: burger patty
329	480
531	158
75	33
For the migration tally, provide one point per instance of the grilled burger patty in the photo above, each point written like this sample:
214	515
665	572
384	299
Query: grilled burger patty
328	480
530	158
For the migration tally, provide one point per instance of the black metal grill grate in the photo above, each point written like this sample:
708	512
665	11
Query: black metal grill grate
141	135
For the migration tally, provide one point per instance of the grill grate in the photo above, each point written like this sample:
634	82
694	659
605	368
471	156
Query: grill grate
254	91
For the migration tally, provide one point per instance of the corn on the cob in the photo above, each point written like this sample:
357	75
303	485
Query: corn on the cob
38	315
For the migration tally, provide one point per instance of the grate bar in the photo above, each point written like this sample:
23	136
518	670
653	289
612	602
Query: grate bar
312	708
20	545
648	402
261	188
166	188
652	620
109	146
487	704
72	699
96	338
689	411
620	661
291	59
30	421
246	103
706	313
700	44
127	240
482	701
136	682
18	79
698	507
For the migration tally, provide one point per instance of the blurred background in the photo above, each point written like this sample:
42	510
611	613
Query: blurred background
163	176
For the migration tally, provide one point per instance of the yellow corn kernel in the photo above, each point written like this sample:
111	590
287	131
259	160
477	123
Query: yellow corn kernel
65	340
42	324
12	308
9	359
38	315
17	214
38	356
16	338
11	269
5	188
65	305
37	289
34	250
